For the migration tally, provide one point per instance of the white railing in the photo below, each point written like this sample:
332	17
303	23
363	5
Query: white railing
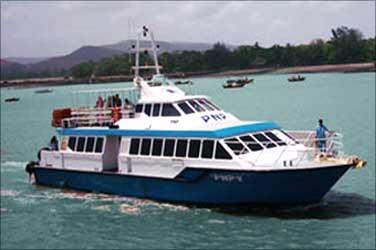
86	116
88	98
303	147
333	141
332	147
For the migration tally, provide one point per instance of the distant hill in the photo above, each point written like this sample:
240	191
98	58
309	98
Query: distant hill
83	54
25	60
25	65
11	69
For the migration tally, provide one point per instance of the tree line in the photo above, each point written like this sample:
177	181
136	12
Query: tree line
346	45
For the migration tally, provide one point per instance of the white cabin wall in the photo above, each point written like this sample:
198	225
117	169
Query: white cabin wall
82	161
51	159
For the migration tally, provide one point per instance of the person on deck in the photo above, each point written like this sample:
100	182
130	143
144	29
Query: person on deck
53	145
99	103
117	101
321	131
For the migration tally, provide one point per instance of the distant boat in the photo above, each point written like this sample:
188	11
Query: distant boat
240	81
233	85
12	99
296	78
43	91
184	82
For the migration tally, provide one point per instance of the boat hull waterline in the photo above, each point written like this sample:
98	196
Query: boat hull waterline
204	186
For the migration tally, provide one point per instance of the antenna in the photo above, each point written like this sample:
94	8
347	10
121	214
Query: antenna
145	33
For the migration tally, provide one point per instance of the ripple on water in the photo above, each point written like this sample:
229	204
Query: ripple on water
8	193
216	221
11	166
125	205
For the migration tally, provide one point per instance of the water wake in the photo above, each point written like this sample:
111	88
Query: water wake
8	193
334	205
16	164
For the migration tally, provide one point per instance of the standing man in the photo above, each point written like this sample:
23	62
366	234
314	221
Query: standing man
321	135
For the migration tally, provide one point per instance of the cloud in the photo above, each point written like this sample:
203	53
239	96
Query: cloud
56	28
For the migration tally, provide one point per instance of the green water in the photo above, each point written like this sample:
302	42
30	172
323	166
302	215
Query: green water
39	217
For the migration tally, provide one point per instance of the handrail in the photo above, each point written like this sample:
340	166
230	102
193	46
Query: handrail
87	116
334	148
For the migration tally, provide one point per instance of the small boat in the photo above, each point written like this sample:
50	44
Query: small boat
296	78
170	146
184	82
240	81
228	85
12	99
43	91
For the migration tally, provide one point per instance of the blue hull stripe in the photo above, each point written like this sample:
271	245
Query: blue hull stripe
220	133
204	186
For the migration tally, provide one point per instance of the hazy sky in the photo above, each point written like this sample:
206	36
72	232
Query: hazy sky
39	29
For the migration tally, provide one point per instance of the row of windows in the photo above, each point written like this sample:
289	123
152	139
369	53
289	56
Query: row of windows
157	109
86	144
254	142
192	148
197	105
168	109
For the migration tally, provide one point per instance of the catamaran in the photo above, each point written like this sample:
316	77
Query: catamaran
165	145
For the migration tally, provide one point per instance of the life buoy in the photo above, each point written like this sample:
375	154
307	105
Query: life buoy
60	114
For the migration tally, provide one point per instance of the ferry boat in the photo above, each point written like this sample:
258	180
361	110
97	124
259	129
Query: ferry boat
165	145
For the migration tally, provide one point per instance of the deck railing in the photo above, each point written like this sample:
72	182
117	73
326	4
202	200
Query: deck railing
332	146
85	116
311	150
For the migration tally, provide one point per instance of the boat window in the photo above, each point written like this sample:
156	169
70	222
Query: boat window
185	107
135	144
196	106
99	145
207	149
289	136
251	143
169	147
145	146
72	142
156	108
181	148
169	110
80	144
147	109
212	104
194	148
157	147
90	144
275	138
207	106
265	141
236	146
221	153
139	108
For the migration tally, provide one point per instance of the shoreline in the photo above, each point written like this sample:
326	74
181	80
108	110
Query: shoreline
61	81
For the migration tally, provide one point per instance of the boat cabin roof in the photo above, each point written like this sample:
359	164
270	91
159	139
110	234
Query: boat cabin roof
208	133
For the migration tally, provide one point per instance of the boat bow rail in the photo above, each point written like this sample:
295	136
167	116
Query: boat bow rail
303	151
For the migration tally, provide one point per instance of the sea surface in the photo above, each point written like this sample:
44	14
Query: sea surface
36	217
